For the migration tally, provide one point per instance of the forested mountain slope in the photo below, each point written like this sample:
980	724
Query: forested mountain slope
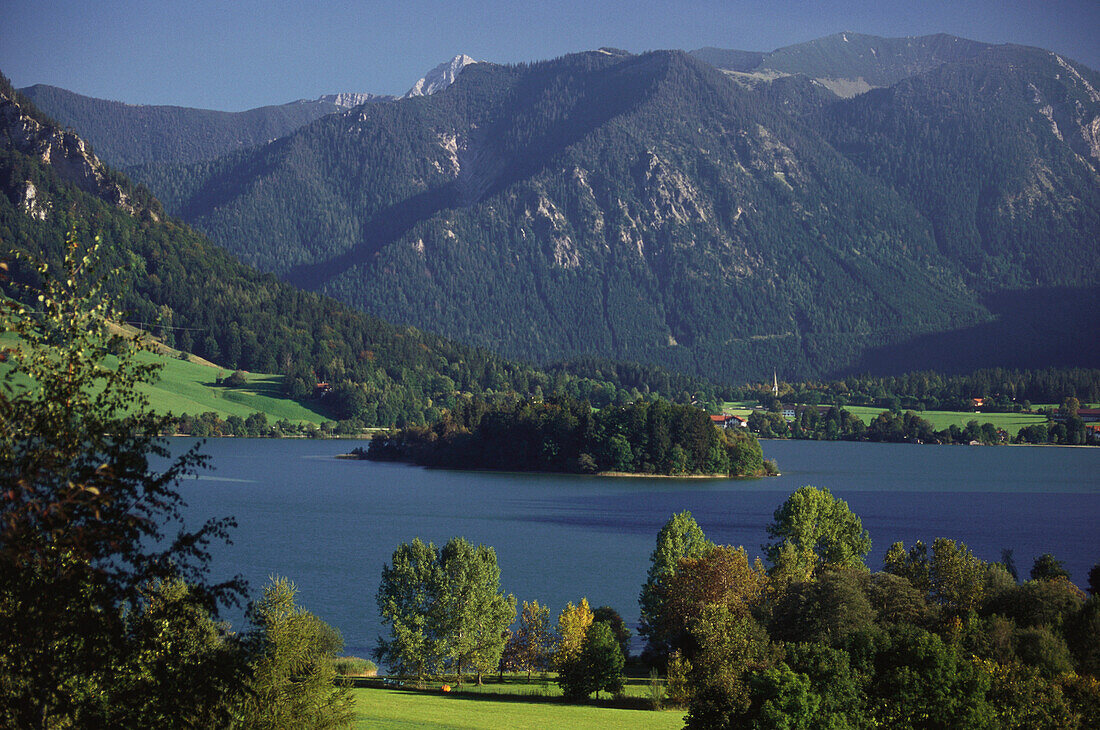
133	134
651	208
199	298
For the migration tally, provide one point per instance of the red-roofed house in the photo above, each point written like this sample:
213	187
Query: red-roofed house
729	421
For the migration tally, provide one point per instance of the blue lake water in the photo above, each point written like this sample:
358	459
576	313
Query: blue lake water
330	524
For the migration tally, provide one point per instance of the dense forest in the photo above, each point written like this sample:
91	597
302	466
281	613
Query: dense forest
564	435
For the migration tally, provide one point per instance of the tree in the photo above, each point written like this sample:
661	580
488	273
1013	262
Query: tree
598	666
444	609
1070	407
1047	567
722	576
680	537
826	610
811	530
530	647
728	646
471	612
784	699
406	597
86	521
294	681
959	579
573	623
918	677
611	617
177	640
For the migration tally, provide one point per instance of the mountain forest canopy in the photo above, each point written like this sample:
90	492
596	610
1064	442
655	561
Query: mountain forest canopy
654	208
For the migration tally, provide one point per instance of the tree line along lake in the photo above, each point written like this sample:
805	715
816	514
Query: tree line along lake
330	524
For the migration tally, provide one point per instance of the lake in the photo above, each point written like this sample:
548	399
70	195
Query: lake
330	524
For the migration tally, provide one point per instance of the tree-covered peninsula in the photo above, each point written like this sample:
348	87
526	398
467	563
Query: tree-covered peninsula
565	435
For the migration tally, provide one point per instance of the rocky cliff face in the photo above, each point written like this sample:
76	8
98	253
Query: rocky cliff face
66	153
348	100
440	77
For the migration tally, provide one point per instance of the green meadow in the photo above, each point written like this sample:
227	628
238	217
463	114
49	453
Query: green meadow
1010	422
382	709
188	387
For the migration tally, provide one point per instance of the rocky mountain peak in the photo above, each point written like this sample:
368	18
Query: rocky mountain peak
440	77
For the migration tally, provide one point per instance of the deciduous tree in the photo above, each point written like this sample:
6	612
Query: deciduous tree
598	666
680	537
87	523
471	612
573	623
531	646
813	529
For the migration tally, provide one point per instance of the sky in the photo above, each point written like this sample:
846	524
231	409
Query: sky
236	55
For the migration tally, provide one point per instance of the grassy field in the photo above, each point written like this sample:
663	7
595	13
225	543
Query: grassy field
187	386
390	708
1010	422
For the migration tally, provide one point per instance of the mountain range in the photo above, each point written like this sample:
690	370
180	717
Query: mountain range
175	284
849	204
132	134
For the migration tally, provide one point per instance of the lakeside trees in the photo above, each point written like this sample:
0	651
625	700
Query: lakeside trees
941	638
444	609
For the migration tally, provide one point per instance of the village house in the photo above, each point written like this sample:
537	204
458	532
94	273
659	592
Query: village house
729	421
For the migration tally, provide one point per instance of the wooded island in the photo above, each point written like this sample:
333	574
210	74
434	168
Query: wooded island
566	435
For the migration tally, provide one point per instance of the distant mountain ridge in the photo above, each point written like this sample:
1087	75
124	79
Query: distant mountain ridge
849	63
348	99
128	135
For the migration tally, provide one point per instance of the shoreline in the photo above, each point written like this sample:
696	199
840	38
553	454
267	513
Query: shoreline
601	474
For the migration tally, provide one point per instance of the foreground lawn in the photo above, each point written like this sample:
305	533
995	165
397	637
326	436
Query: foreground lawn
388	708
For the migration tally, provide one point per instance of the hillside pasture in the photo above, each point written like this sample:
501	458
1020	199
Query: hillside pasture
189	387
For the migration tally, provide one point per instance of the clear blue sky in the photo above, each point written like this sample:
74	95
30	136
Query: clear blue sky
240	54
